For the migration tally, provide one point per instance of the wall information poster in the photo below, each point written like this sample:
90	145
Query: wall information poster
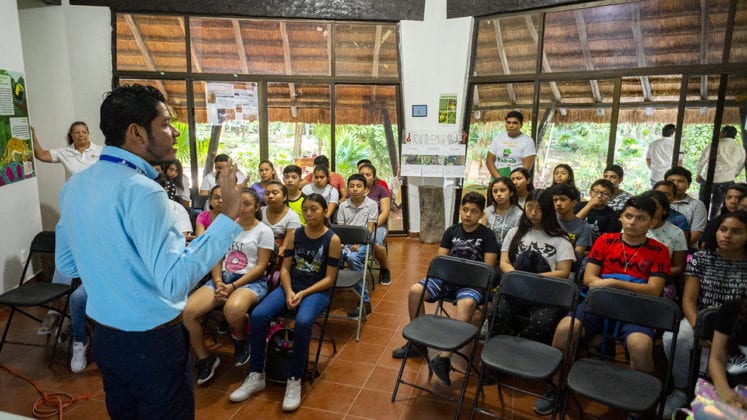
16	156
434	155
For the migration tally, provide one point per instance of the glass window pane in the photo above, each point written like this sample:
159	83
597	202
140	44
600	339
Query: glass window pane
366	128
227	121
150	43
575	130
490	105
216	48
633	35
507	45
368	50
299	124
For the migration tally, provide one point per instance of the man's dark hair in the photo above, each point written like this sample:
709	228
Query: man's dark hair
125	105
516	114
729	131
474	198
679	170
661	198
292	169
567	190
642	203
616	169
604	184
221	158
321	160
668	130
357	177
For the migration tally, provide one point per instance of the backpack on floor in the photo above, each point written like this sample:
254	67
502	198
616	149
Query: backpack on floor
279	356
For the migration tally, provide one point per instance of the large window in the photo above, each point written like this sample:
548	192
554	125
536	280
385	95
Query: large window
609	77
260	89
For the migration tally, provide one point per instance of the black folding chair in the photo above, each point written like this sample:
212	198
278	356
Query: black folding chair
441	332
705	325
614	384
522	357
38	294
347	278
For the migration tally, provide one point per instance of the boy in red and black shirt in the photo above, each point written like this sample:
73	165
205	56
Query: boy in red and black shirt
629	261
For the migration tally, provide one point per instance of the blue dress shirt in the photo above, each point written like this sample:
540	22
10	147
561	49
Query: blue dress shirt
117	234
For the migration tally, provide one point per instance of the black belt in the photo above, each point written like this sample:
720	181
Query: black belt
167	324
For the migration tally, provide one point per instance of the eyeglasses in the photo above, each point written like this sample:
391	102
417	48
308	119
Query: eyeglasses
600	193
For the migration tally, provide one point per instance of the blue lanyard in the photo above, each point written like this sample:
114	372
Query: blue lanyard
120	161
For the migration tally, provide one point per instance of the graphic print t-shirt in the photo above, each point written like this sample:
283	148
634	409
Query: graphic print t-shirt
242	256
469	245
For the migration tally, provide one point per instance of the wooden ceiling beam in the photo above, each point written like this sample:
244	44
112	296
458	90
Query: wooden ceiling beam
639	52
504	58
148	59
704	31
240	45
288	66
195	61
545	64
584	40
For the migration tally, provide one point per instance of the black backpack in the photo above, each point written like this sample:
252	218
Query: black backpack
279	355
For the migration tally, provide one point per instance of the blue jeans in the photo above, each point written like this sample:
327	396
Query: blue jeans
147	375
77	308
356	261
272	305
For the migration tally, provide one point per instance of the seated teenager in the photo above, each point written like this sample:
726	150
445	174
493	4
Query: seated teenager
381	197
322	187
238	283
676	218
277	216
522	180
504	212
628	261
309	270
266	174
729	344
693	209
713	276
183	222
470	240
732	196
614	174
595	212
214	205
539	233
565	197
292	180
563	174
671	236
359	210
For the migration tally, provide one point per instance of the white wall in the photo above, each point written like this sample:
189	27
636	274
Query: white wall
67	50
435	59
19	210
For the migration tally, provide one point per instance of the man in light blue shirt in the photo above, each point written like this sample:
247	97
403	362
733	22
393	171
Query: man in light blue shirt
116	233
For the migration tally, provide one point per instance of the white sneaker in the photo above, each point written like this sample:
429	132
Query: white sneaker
78	362
254	382
737	365
676	400
292	398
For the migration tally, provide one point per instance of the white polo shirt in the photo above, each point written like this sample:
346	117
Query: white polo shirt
74	161
208	182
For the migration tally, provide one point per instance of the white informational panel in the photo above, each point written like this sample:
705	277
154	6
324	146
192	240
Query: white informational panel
439	155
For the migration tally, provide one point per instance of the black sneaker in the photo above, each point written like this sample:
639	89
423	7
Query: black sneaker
544	405
206	368
441	366
399	353
354	312
385	278
223	327
241	352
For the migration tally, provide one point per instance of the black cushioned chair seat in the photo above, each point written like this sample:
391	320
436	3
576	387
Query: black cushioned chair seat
33	294
521	357
438	332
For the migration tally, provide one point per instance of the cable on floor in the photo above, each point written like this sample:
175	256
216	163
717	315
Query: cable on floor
49	404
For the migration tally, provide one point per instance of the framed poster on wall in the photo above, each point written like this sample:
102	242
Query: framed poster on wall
16	155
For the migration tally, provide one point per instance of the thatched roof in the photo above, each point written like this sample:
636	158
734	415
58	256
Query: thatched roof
268	48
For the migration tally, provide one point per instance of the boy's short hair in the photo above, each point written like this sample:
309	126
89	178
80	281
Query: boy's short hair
321	160
668	130
616	169
474	198
516	114
292	169
357	177
221	158
604	184
679	170
641	203
729	131
567	190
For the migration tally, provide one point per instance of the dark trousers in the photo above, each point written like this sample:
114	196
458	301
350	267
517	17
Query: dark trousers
717	196
147	374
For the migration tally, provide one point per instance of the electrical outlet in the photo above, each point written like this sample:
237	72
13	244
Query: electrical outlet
23	253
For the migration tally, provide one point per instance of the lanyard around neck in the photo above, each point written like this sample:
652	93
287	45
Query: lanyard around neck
121	161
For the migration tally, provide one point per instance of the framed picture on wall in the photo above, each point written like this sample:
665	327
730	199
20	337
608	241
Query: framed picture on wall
420	110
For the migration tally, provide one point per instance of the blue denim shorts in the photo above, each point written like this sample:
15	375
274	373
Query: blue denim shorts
437	289
258	286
